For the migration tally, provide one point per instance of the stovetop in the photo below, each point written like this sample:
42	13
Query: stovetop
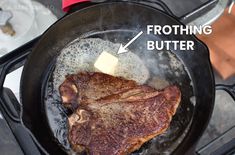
15	138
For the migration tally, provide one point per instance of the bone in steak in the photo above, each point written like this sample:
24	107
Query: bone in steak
113	115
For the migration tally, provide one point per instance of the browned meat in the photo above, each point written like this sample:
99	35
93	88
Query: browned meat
119	119
87	87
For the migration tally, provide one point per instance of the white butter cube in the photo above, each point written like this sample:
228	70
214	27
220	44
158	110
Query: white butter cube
106	63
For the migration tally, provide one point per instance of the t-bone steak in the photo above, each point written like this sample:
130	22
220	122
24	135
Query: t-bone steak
115	116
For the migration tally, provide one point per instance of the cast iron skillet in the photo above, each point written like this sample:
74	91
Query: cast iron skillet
39	63
104	18
115	17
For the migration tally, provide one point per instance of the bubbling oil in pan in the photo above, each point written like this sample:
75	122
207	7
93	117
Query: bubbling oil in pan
157	69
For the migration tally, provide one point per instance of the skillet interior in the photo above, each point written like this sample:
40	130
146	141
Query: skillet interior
160	66
100	18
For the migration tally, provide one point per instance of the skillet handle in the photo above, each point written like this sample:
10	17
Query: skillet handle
230	89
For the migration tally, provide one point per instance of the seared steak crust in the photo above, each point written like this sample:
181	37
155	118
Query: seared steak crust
86	87
113	115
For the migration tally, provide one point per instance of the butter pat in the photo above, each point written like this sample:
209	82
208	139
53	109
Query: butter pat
106	63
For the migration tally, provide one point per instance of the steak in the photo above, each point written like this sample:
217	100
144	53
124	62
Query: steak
114	116
86	87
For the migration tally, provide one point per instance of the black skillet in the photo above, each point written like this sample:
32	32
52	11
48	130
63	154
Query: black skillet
109	21
41	60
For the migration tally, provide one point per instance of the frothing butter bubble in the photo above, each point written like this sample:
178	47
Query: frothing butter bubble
81	55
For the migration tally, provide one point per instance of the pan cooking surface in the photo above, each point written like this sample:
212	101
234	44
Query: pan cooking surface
155	68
